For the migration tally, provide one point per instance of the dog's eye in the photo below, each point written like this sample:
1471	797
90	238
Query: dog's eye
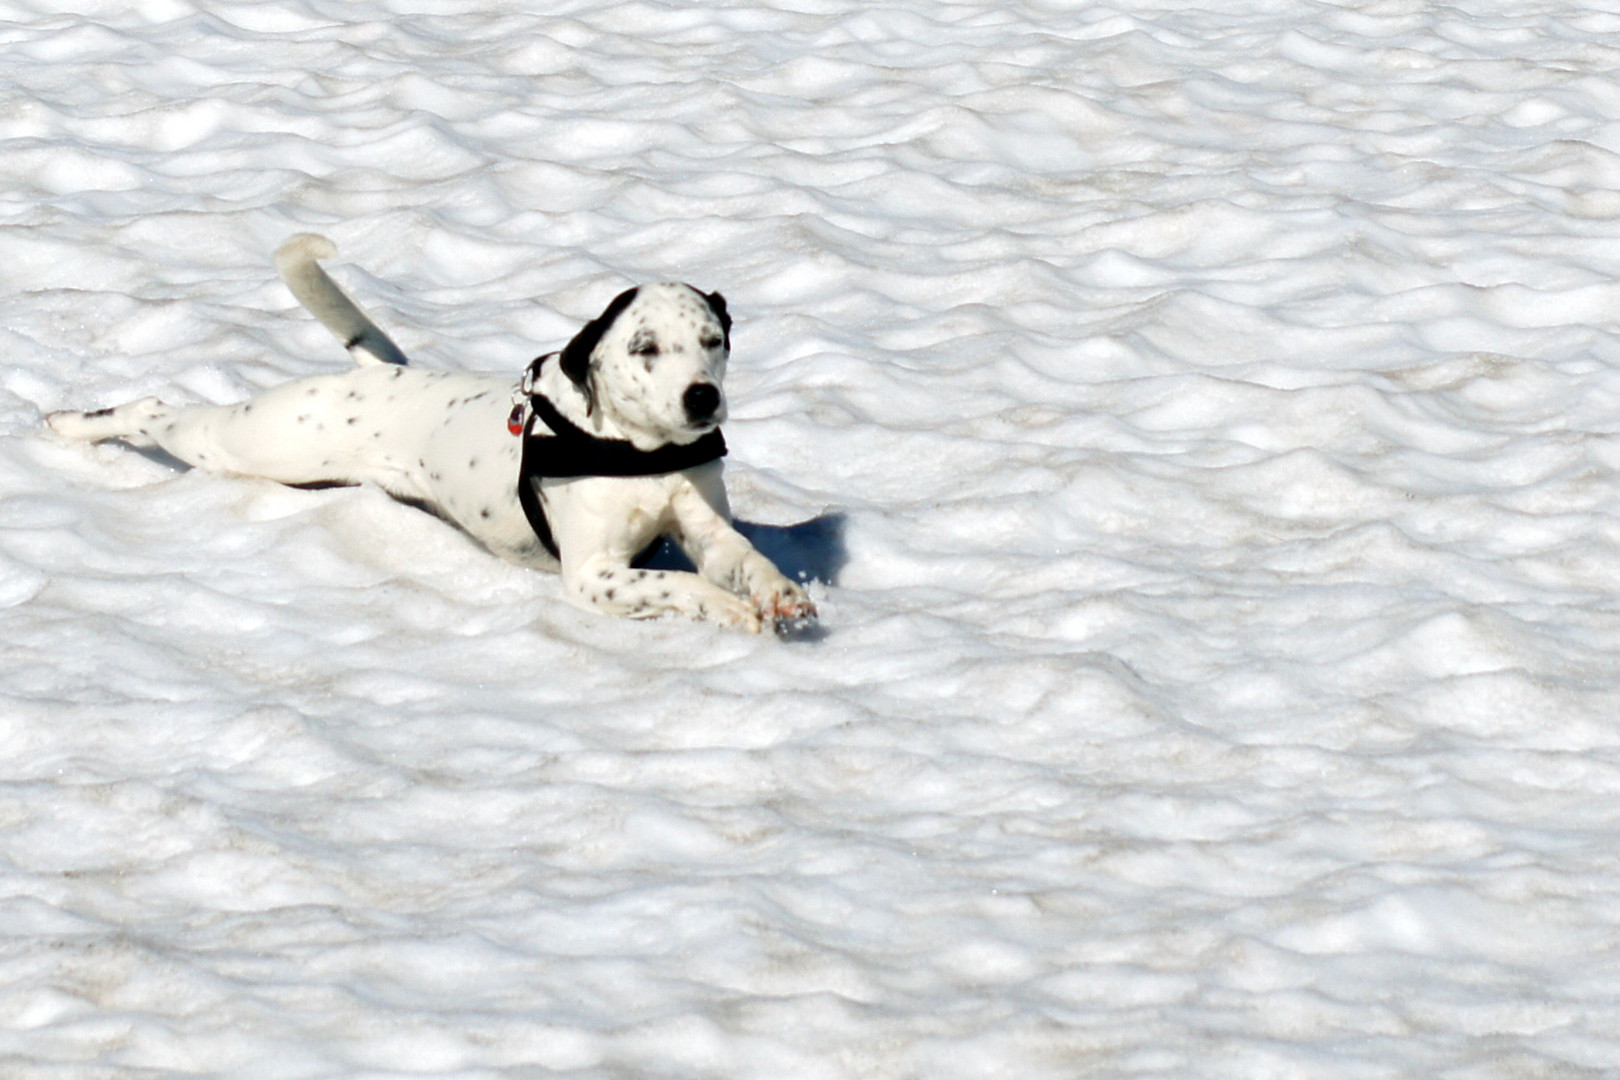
647	348
712	342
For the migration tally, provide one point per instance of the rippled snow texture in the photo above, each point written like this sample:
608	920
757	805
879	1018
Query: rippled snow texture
1222	405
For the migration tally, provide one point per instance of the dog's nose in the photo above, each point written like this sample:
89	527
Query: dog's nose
702	401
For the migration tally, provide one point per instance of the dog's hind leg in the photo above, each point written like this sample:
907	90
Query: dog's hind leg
249	439
134	423
191	434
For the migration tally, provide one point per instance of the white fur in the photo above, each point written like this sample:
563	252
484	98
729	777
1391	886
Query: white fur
441	440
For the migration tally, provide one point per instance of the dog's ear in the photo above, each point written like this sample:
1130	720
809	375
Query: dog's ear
575	359
717	304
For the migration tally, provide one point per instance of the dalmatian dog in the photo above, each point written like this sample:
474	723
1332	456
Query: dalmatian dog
602	448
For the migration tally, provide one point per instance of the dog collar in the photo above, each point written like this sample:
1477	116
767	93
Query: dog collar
571	451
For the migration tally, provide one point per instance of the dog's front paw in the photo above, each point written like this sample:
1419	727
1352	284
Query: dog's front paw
731	611
781	601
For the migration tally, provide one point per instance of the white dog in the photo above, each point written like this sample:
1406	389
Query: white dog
599	451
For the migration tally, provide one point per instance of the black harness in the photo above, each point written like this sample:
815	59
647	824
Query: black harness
573	452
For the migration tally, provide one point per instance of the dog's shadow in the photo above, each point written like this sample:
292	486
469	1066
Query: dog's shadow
809	551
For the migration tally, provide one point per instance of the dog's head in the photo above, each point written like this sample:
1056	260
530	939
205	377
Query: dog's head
654	362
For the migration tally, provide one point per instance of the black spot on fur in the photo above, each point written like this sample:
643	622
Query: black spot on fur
644	343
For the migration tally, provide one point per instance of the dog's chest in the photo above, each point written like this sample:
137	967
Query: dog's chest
618	513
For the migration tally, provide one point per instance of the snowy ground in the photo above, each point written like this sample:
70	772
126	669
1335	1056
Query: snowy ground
1223	411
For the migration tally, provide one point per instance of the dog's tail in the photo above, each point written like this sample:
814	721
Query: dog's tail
296	261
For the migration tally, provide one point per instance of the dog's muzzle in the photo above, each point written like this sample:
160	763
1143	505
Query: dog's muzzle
701	402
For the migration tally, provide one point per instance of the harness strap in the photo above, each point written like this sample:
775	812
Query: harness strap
570	451
529	495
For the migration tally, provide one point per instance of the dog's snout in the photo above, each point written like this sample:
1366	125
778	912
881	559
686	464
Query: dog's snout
702	401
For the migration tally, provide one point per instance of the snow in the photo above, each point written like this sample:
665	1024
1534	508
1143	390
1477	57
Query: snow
1208	421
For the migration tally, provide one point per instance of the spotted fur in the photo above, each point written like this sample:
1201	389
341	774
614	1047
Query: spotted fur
649	370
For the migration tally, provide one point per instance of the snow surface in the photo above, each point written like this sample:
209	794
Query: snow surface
1220	409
